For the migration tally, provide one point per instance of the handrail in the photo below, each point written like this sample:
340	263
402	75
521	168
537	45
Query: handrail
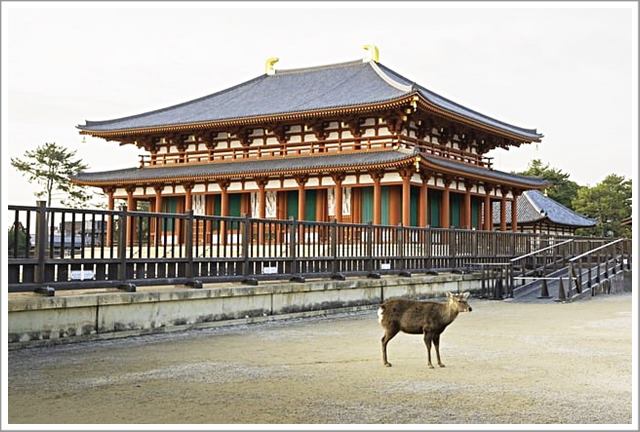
540	250
595	250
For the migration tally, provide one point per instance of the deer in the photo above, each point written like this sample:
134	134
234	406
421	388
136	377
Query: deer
420	317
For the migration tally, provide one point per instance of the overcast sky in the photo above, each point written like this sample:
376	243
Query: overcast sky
566	72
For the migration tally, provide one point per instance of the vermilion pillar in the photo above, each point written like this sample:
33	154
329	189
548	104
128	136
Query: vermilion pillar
467	208
503	212
301	196
188	199
514	211
377	197
406	199
487	210
445	215
423	202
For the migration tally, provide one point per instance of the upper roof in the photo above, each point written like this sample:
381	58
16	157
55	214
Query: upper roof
534	206
342	85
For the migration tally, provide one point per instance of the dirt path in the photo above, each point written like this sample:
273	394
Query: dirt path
506	363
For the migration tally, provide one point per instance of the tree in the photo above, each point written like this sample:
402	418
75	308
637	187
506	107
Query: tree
52	166
562	190
608	202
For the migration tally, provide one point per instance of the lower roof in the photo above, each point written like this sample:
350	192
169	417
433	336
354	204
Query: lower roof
298	165
533	206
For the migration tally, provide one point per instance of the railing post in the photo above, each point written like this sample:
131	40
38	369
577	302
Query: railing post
41	249
335	274
370	273
293	252
188	251
247	238
123	220
400	253
188	245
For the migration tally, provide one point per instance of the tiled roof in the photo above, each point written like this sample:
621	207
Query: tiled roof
241	168
490	174
534	206
299	90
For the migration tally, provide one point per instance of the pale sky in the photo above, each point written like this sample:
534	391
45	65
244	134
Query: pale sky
566	72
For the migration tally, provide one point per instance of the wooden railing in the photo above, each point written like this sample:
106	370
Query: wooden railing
311	148
74	248
267	151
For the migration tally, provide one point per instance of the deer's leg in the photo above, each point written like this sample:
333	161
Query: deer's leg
389	333
427	342
436	343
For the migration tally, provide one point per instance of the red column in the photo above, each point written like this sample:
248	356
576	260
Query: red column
488	219
467	207
503	212
301	196
188	200
377	197
514	211
445	215
423	202
406	198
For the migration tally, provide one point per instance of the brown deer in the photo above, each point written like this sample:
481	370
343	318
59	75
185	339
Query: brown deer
417	317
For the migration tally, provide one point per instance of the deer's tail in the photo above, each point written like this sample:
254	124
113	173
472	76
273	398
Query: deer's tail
380	313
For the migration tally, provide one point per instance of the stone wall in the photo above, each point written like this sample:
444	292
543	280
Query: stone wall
35	320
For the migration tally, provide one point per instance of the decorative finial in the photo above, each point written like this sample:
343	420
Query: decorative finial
268	65
373	54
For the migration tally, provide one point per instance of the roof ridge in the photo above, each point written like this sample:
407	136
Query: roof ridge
319	67
533	204
89	123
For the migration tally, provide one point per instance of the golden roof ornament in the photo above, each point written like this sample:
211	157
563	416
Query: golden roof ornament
269	68
372	53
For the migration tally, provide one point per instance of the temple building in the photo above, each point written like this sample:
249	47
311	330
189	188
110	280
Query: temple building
538	213
355	142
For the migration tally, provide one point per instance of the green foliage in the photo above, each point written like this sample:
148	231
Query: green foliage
18	238
51	166
562	190
609	202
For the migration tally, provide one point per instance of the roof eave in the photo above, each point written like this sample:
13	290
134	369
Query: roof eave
251	120
430	106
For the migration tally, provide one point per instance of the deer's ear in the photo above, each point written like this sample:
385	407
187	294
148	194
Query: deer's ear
466	295
448	294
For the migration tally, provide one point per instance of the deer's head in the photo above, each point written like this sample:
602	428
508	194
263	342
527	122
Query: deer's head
458	301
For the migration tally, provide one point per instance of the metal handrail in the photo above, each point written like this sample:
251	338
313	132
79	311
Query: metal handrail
513	260
595	250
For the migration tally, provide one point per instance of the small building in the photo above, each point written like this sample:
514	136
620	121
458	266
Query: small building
355	142
538	213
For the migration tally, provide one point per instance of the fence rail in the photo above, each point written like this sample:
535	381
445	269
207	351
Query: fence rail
75	248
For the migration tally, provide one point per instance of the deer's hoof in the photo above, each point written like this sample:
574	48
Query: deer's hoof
441	365
387	364
430	366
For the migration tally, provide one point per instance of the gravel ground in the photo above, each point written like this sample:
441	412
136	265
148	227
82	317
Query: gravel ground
505	363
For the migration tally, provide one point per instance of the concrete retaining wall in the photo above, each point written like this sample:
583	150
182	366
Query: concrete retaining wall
37	320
